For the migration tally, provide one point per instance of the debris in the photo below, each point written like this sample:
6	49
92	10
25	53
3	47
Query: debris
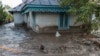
97	43
58	34
42	47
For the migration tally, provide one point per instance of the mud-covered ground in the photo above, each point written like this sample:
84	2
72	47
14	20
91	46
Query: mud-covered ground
20	42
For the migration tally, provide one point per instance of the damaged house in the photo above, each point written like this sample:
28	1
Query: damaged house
44	16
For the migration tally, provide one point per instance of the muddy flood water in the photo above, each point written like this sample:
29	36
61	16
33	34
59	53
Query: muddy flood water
16	41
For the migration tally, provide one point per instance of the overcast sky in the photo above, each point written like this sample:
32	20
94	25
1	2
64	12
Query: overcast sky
11	3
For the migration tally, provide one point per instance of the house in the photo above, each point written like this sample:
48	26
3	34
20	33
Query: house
43	15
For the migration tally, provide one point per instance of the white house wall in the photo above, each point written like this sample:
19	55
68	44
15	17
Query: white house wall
46	19
18	18
29	20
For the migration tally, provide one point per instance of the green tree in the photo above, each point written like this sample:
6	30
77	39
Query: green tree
84	9
3	13
5	16
9	17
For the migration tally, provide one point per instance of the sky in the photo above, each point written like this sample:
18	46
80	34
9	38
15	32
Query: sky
11	3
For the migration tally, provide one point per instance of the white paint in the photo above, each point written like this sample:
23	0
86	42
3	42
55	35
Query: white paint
73	20
47	19
18	18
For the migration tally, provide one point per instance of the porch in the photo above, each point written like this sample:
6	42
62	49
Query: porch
50	22
49	19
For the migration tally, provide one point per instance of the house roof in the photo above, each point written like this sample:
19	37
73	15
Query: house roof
44	2
38	5
19	7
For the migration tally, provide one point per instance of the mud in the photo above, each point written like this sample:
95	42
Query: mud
17	41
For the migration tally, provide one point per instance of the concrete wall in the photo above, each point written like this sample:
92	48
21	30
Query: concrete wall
31	19
51	19
73	20
46	19
18	18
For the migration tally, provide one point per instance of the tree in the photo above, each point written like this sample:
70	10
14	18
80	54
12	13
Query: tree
9	17
3	13
5	16
85	9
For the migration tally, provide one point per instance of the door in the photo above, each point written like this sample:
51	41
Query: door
63	21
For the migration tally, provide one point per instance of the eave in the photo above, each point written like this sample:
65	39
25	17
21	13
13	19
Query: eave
43	8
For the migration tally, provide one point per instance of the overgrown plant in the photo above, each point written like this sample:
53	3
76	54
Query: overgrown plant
4	14
85	9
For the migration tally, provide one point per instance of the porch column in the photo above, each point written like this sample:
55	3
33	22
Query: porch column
58	21
68	22
30	19
27	22
25	18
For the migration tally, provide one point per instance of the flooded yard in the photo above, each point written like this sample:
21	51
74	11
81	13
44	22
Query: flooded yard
16	41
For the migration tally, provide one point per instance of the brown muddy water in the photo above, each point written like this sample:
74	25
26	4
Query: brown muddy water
16	41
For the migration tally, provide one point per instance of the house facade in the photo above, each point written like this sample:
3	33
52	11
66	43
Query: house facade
43	15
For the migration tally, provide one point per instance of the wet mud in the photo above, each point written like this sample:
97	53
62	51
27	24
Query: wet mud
17	41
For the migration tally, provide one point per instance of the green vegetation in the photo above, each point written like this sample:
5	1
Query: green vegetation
5	16
84	9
